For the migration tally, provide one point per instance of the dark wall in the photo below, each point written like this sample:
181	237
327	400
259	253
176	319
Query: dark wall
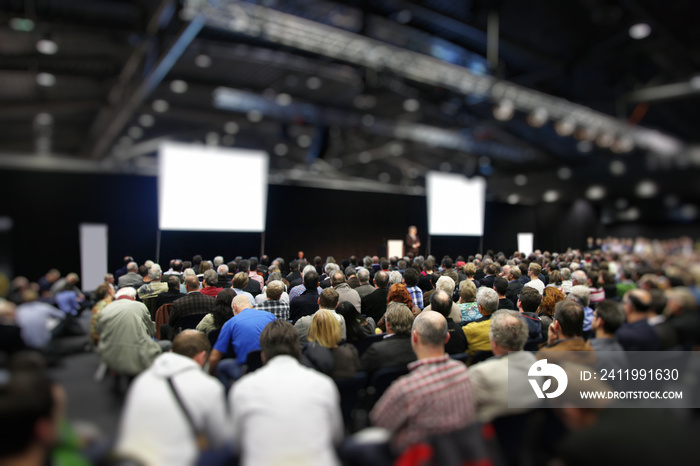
47	209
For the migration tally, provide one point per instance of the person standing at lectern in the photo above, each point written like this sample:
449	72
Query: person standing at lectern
412	241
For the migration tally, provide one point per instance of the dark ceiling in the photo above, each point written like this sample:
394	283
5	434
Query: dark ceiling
128	75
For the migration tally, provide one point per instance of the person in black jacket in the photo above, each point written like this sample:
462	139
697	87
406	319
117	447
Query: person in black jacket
441	302
374	304
395	349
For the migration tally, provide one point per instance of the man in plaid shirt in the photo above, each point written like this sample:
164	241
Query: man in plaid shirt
273	304
410	277
434	398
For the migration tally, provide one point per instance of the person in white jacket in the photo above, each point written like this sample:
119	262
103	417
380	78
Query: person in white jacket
156	428
285	413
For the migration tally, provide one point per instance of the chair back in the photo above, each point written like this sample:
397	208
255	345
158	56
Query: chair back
151	304
351	391
464	357
480	356
191	321
162	317
253	361
381	380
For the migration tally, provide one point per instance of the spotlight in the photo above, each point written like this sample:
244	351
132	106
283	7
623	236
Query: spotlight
640	31
564	173
411	105
595	193
646	189
47	46
537	118
564	127
550	196
504	110
203	61
45	79
178	86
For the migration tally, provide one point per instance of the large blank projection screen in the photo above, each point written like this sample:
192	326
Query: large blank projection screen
192	180
455	204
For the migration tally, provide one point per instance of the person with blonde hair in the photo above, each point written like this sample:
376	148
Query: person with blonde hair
323	351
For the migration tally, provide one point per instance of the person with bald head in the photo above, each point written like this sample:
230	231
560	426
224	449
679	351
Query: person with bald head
241	333
636	334
194	303
434	398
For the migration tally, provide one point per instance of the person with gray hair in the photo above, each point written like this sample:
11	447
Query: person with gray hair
491	379
273	302
210	280
153	288
365	288
579	277
566	283
132	277
582	295
395	277
218	260
222	276
477	332
284	297
126	334
329	269
434	398
447	285
395	349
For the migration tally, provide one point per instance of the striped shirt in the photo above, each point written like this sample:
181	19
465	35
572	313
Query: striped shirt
434	398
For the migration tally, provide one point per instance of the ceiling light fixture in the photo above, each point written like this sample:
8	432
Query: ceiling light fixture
550	196
595	193
160	105
203	61
45	79
504	110
411	105
47	47
538	117
640	31
178	86
564	127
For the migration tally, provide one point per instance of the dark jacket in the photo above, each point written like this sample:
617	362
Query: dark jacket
458	341
305	304
341	362
374	304
514	289
192	304
393	351
168	297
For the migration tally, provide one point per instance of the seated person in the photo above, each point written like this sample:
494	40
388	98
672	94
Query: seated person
323	353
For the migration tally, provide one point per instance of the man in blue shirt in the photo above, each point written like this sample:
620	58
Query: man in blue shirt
241	333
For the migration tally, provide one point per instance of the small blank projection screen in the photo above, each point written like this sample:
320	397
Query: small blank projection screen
455	204
211	188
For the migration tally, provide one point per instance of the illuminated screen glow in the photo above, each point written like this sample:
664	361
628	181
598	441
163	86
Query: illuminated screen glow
456	204
204	188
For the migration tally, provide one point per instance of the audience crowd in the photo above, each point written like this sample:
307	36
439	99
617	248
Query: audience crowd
357	361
